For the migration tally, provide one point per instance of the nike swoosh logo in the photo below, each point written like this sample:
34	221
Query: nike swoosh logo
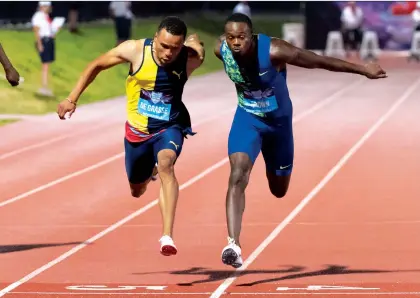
282	168
261	74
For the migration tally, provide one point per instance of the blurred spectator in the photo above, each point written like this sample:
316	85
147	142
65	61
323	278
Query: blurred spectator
121	13
416	17
351	26
74	17
45	41
243	8
403	8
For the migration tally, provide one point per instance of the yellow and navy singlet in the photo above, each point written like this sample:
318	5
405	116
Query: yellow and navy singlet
154	96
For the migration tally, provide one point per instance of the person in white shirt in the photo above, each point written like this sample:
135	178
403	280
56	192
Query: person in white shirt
416	17
351	26
121	12
44	41
243	8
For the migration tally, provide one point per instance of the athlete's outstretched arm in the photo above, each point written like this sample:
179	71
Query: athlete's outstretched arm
196	53
283	52
11	73
123	53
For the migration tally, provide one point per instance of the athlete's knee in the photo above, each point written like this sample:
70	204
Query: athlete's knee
166	163
279	185
137	190
240	170
278	192
239	176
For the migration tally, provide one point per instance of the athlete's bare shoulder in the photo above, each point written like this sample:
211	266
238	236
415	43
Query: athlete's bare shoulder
130	50
218	44
282	52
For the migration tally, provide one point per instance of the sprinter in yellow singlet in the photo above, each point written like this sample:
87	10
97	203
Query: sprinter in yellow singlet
157	119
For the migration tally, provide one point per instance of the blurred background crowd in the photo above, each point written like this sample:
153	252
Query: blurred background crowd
51	55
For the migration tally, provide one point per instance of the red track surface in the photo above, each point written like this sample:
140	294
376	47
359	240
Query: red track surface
350	219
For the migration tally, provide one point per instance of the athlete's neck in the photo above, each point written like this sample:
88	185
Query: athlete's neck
155	57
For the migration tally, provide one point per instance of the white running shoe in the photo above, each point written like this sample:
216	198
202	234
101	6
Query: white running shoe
167	246
232	254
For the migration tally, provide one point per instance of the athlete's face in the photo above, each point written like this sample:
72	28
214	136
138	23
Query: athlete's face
167	46
238	38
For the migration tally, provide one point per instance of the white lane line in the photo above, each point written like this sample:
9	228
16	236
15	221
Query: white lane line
227	282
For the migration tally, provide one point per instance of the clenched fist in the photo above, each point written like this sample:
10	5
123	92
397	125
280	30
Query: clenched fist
374	71
64	107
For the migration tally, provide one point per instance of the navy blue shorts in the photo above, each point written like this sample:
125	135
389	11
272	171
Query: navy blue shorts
48	55
250	134
140	158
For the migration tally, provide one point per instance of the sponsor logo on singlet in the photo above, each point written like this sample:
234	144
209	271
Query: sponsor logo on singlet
259	101
155	105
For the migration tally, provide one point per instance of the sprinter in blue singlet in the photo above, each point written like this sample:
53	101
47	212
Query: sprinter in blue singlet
256	63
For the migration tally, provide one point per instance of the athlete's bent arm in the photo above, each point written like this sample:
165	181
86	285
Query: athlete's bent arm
196	53
123	53
283	52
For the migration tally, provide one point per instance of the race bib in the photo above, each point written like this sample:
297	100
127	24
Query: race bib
258	102
155	105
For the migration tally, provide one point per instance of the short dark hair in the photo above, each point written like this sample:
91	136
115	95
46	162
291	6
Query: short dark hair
173	25
239	18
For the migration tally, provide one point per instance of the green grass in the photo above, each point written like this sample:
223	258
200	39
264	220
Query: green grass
74	52
7	121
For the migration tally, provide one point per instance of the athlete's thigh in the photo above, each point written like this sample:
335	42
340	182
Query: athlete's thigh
139	161
278	148
244	135
171	139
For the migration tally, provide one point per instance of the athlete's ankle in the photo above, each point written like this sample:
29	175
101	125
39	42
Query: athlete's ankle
232	240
